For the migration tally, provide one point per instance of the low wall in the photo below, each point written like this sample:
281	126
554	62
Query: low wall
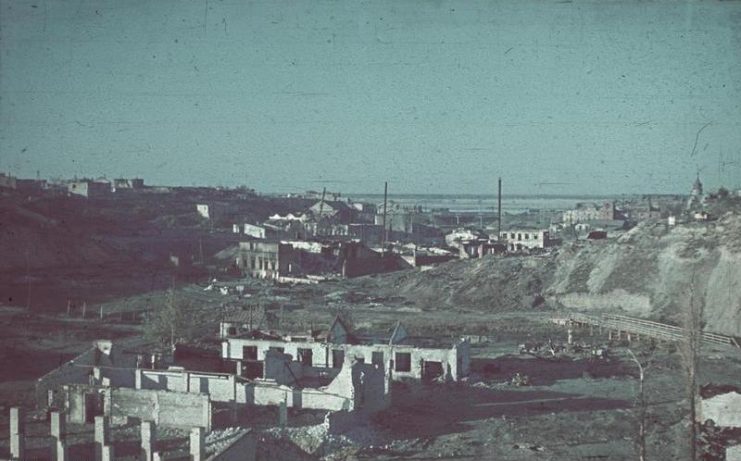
165	408
324	400
221	387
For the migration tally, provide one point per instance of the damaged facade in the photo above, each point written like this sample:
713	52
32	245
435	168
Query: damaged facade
405	357
111	383
526	239
296	259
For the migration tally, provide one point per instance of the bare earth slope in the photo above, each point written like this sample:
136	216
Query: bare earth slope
648	272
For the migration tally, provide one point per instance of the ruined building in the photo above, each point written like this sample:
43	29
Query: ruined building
406	357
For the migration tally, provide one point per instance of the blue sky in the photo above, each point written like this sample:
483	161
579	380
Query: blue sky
435	97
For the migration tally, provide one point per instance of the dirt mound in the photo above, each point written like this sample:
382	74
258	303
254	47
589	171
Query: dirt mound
487	283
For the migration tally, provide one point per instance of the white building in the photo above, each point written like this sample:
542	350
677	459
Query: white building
254	231
203	210
520	239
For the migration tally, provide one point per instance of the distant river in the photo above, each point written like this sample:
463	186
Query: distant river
485	203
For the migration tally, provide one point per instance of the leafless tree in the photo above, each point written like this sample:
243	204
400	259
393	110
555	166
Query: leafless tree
171	321
643	366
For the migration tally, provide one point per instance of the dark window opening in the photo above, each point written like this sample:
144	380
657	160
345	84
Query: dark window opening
249	352
338	356
231	331
431	370
403	361
377	359
252	370
275	348
305	356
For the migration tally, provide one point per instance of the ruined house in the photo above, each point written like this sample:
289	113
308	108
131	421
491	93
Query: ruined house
405	356
337	210
289	260
107	381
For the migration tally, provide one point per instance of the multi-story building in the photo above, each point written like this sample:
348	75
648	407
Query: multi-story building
521	239
585	212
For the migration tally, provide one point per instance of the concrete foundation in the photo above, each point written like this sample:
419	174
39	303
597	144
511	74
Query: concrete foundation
58	426
197	444
108	453
102	436
17	442
148	440
59	451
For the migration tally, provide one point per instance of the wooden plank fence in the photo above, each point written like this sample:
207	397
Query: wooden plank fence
643	327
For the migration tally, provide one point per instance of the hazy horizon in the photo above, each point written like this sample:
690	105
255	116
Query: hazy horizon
565	98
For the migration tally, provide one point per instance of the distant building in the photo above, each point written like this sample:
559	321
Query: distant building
463	235
696	198
25	186
366	233
266	260
203	210
290	217
30	186
299	259
701	216
397	220
7	181
600	225
521	239
585	212
88	188
339	211
363	212
127	184
326	228
254	231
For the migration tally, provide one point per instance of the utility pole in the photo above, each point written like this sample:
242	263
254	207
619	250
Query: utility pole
319	218
384	235
499	210
481	217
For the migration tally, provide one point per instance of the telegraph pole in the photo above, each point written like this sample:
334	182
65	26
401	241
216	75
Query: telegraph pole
384	235
499	210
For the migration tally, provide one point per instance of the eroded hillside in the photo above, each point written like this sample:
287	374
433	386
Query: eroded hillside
652	271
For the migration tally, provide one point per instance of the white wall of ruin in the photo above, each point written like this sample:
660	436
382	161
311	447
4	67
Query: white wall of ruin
723	409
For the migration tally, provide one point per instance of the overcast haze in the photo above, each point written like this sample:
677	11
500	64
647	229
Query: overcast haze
435	97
